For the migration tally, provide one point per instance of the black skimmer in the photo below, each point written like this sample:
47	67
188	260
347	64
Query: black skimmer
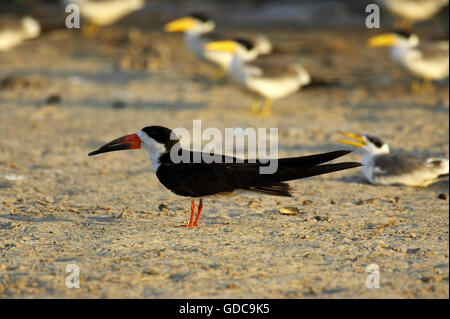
15	31
383	168
261	77
202	179
425	60
198	30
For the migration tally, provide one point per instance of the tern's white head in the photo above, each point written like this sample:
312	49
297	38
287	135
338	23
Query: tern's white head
31	27
262	44
369	144
395	39
195	23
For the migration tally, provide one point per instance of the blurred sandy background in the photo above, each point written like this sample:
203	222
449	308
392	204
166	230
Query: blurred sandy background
63	95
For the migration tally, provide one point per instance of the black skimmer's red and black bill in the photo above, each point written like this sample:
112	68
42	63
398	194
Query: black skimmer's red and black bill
198	179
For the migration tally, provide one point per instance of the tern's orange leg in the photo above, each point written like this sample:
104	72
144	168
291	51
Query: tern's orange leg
200	208
192	215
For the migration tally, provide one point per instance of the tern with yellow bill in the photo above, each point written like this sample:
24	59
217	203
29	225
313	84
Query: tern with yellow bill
383	168
428	60
198	30
262	77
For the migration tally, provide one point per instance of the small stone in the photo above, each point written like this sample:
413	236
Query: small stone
399	249
289	211
163	207
41	202
124	215
104	207
118	105
413	235
397	199
333	202
367	201
302	236
53	99
313	291
151	271
443	196
308	202
412	250
231	286
253	204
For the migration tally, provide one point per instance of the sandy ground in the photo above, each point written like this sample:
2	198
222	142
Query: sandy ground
110	216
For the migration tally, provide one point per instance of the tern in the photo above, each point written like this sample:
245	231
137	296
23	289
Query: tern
413	10
198	30
199	179
104	12
15	31
428	60
383	168
262	77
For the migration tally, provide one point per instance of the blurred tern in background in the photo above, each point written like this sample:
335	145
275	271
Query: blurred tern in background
425	60
383	168
198	30
104	12
14	31
261	77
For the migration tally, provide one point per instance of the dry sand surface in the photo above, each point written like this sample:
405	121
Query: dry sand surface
110	216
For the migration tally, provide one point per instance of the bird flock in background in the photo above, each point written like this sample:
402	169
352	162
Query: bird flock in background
244	62
245	67
425	60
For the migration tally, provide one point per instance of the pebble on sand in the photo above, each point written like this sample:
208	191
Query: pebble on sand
118	105
253	204
289	211
53	99
163	207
